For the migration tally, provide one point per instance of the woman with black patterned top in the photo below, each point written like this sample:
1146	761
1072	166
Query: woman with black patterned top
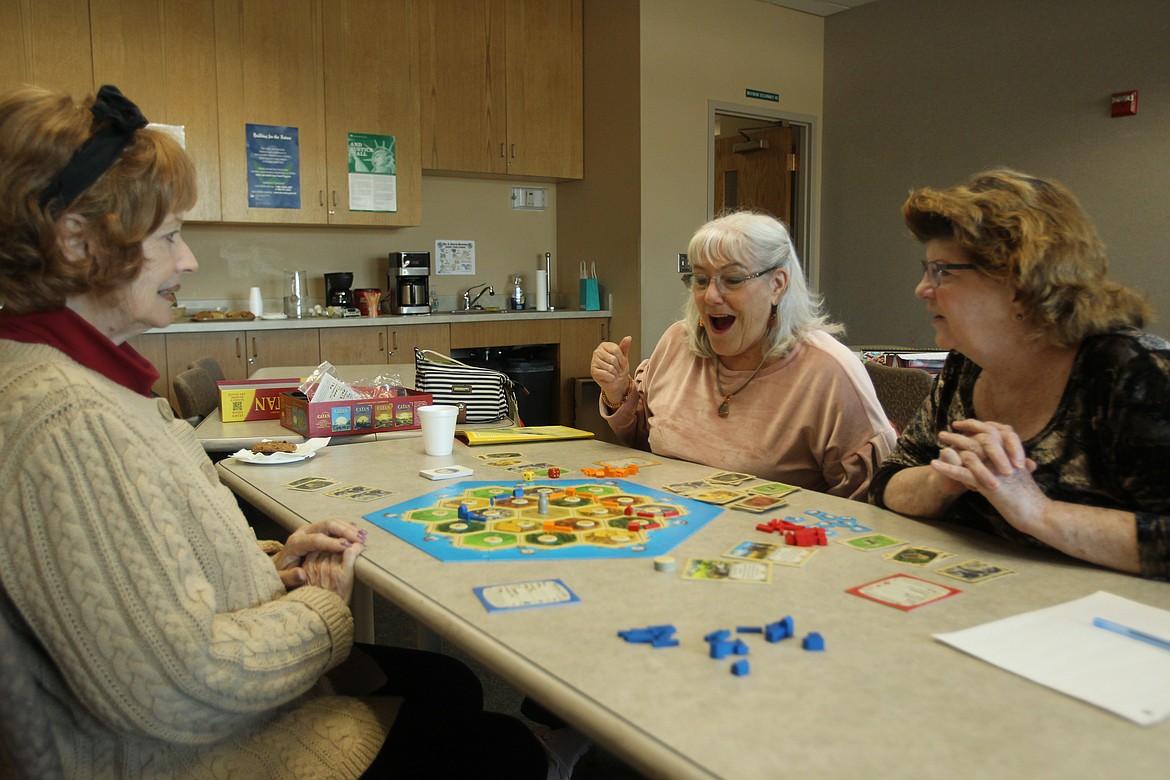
1050	421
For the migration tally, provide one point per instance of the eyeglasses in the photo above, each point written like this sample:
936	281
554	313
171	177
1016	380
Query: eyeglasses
936	272
724	284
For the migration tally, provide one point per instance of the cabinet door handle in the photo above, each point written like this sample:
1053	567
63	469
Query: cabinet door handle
502	154
335	199
321	197
513	151
393	341
381	342
238	353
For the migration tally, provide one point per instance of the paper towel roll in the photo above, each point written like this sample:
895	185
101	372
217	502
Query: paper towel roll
255	301
542	291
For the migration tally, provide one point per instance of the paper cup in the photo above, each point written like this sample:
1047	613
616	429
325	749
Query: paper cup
438	428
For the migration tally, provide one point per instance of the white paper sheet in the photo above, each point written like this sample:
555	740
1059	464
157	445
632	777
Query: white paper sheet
1061	648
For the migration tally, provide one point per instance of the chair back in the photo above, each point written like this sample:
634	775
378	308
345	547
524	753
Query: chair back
25	733
211	366
900	391
196	394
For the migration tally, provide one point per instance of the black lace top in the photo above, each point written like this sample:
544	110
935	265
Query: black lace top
1108	445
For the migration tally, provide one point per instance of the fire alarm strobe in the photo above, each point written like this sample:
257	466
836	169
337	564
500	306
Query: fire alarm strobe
1124	103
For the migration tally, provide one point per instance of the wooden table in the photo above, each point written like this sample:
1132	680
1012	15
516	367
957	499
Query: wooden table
884	700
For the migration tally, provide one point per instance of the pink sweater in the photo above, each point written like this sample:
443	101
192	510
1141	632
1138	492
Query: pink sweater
811	419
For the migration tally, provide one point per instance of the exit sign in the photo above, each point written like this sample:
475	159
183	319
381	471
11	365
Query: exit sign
761	95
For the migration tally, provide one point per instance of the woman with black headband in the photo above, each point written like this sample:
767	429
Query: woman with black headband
163	640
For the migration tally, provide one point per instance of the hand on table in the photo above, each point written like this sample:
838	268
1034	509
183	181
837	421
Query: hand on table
326	536
332	571
989	458
610	368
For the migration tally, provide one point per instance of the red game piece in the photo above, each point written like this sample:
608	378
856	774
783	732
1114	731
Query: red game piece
554	472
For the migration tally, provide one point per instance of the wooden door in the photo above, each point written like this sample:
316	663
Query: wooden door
354	346
161	54
404	339
544	87
578	340
46	42
372	87
464	111
293	347
270	71
759	175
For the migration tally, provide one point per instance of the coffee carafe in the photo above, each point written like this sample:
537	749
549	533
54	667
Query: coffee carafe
337	289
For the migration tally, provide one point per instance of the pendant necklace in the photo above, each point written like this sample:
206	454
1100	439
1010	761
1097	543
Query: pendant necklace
725	406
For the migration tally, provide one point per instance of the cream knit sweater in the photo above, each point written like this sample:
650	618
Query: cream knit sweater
159	633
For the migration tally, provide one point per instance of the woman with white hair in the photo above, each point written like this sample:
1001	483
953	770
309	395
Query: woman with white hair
751	379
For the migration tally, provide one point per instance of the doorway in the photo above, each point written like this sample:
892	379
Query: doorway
761	160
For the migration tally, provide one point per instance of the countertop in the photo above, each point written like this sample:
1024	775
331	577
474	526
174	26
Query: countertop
213	326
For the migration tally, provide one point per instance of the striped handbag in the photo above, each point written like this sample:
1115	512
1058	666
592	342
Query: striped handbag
486	395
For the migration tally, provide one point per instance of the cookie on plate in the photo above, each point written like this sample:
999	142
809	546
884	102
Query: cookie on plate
274	446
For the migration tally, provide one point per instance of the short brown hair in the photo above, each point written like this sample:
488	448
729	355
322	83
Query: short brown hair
39	132
1034	235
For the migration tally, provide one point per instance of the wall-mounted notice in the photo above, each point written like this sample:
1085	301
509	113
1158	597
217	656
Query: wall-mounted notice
455	257
373	184
274	167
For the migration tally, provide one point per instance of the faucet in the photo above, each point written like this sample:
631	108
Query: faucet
470	303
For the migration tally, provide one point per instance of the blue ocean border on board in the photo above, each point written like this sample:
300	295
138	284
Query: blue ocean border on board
660	541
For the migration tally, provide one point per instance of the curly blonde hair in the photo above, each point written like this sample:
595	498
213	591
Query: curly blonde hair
39	131
1033	235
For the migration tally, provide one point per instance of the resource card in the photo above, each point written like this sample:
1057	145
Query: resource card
757	504
901	591
310	484
782	554
360	493
525	595
871	542
716	570
974	571
774	489
729	478
918	556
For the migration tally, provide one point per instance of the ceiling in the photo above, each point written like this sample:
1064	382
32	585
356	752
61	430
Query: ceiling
819	7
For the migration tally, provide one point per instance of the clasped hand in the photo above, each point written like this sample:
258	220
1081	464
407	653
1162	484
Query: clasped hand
989	458
321	554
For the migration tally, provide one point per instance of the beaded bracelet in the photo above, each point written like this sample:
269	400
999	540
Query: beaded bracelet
612	406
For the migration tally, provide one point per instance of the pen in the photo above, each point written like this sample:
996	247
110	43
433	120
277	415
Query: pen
1132	633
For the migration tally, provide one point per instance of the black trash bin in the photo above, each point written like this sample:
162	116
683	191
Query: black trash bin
536	375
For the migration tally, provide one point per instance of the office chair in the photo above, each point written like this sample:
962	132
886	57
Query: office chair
25	734
900	391
211	366
196	394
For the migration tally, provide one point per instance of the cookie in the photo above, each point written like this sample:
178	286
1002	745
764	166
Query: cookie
274	446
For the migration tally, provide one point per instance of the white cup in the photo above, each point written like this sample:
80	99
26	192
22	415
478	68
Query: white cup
255	301
438	428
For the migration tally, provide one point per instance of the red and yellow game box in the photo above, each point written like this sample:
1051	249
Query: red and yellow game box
253	399
341	418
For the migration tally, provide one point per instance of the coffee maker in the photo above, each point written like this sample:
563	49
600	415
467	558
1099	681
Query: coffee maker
408	280
337	289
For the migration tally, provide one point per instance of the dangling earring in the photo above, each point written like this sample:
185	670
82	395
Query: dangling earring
701	323
1019	317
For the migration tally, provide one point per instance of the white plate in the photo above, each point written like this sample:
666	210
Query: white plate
304	450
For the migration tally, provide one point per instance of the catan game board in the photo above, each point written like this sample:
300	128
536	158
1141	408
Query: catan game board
582	519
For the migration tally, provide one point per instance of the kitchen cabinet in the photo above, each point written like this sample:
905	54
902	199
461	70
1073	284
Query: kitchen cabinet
243	352
502	86
578	340
46	42
325	69
161	54
153	347
391	344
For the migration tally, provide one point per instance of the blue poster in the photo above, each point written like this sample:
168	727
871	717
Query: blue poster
274	167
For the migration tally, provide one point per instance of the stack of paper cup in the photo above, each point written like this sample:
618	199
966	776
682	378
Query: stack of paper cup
255	301
542	290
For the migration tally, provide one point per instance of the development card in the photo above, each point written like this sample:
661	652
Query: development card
918	556
974	571
310	484
716	495
715	570
503	462
786	555
774	489
771	552
525	595
871	542
621	463
686	488
901	591
729	478
499	456
446	472
360	493
752	550
757	504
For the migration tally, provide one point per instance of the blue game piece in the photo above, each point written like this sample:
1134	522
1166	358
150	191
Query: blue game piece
663	629
740	647
636	635
665	642
517	492
717	636
721	649
813	641
781	629
463	511
741	668
750	629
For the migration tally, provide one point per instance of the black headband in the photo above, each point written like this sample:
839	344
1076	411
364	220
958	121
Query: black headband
100	151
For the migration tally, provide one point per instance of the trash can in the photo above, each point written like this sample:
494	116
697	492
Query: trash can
537	376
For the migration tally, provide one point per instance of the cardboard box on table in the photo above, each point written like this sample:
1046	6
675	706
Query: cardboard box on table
253	399
341	418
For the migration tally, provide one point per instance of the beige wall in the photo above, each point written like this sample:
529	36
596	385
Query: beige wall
234	258
927	92
692	52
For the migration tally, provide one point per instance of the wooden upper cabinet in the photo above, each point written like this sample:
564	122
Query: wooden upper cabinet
502	86
161	54
372	88
46	42
271	73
